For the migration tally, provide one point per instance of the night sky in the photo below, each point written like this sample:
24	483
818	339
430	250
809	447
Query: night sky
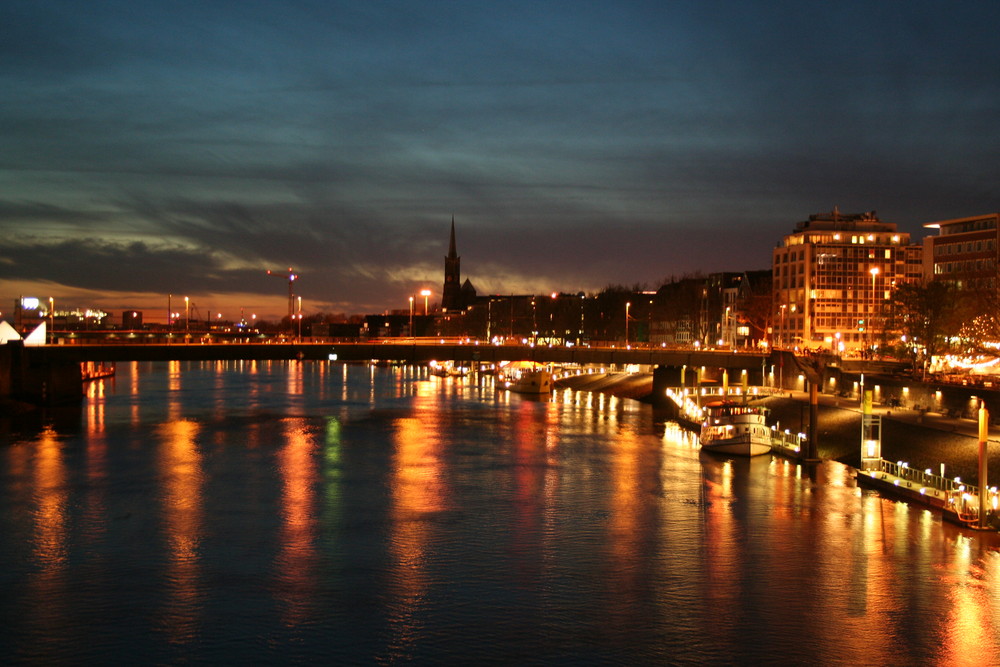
149	148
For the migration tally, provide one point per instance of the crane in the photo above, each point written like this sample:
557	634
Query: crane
292	277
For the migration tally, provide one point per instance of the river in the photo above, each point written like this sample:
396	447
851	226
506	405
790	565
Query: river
321	512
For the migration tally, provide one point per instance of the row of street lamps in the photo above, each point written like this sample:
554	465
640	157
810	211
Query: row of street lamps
426	293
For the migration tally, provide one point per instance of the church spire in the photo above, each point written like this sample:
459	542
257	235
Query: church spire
451	294
452	253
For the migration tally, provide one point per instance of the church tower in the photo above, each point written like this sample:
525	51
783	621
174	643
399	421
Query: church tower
451	294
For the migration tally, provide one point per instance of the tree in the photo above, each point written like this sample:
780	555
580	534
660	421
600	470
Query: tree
981	330
922	319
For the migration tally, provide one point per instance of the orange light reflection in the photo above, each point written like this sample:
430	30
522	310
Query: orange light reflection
180	470
297	557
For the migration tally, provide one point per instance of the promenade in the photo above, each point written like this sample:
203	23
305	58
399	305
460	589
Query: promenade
922	439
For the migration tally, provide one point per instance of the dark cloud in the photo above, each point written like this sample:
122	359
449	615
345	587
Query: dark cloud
577	144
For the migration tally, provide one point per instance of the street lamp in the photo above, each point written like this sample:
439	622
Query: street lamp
411	317
628	304
300	319
871	315
425	293
187	313
781	331
728	334
52	319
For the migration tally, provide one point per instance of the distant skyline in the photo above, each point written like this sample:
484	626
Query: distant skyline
185	148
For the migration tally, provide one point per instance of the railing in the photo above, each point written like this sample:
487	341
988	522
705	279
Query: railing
787	442
953	495
902	471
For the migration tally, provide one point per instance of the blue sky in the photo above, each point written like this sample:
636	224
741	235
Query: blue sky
186	147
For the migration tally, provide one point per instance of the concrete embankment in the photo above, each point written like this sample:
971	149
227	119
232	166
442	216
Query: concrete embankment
638	386
924	441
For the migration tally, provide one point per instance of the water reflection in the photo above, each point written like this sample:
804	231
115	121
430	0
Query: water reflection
418	491
410	518
180	468
50	512
296	561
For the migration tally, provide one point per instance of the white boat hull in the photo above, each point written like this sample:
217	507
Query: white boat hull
740	446
736	430
528	382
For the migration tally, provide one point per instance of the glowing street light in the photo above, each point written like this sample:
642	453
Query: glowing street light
411	316
300	318
781	331
628	305
187	313
871	315
426	294
731	339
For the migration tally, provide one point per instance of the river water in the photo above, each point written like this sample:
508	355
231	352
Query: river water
346	514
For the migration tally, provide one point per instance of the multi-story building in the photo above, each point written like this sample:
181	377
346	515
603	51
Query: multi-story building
730	313
831	277
964	251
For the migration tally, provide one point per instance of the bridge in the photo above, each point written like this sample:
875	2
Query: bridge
402	351
46	373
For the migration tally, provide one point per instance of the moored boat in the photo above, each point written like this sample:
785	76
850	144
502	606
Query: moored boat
447	369
525	379
736	429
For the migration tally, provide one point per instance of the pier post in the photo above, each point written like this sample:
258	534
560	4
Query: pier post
983	486
871	435
812	447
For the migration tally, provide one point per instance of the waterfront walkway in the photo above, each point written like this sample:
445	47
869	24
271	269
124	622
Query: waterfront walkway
921	418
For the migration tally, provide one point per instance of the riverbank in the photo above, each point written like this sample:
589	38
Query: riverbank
924	440
638	386
920	439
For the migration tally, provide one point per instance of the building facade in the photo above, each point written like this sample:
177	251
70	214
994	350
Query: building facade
964	251
832	276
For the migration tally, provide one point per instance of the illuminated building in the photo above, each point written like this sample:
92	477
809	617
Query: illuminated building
831	277
964	251
131	320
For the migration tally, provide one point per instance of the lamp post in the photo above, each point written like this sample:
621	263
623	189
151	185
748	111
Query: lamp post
781	331
187	313
425	293
52	319
728	334
300	319
871	315
628	305
534	321
411	317
489	320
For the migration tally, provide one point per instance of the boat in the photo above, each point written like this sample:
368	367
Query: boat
525	379
446	369
735	428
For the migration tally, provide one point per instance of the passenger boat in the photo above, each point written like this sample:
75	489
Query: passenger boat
525	379
735	428
446	369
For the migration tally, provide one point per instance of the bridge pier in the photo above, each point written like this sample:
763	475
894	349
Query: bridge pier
38	381
664	377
